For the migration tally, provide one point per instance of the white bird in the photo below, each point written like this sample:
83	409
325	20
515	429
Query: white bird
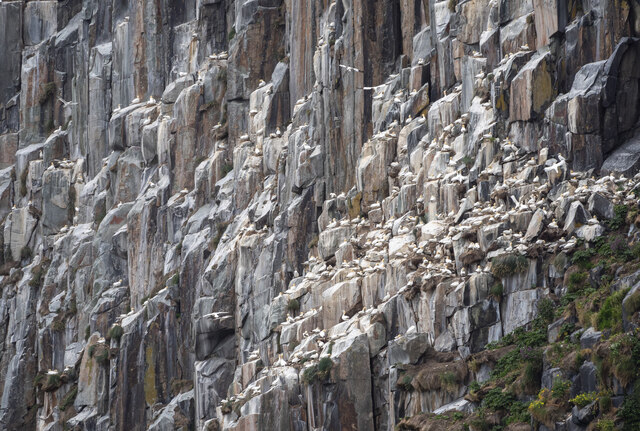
351	69
66	104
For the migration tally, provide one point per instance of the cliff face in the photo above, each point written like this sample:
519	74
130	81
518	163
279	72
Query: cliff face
300	215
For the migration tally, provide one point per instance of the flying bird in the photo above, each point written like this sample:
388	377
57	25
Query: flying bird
351	69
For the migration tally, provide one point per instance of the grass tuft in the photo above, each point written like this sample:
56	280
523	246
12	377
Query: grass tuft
115	332
508	265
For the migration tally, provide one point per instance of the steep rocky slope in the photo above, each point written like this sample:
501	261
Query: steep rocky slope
304	215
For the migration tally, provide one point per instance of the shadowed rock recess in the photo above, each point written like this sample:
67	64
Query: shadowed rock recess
320	215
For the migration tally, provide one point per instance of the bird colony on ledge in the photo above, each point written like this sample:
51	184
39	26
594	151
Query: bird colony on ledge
320	215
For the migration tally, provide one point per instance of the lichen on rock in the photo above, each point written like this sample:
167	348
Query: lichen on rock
286	215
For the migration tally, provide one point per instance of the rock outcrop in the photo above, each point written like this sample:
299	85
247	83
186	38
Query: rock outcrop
305	215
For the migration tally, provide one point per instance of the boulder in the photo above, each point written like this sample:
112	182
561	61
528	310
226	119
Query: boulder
625	160
590	232
554	329
575	217
583	416
535	225
445	342
599	205
587	379
590	338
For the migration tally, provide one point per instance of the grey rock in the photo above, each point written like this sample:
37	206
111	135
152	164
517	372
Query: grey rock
531	89
549	376
58	203
554	329
408	349
600	206
588	377
575	216
460	405
11	17
8	148
584	415
535	225
170	94
550	18
40	21
625	160
590	338
590	232
18	231
330	240
630	306
445	342
248	188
